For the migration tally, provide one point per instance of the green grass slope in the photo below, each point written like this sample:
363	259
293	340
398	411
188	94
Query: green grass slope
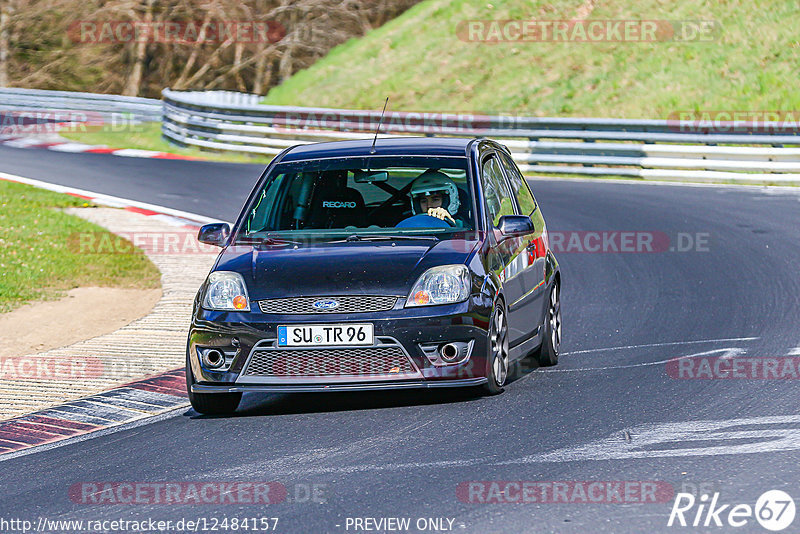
419	61
40	253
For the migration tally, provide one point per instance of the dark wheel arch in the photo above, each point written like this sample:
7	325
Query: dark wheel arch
210	403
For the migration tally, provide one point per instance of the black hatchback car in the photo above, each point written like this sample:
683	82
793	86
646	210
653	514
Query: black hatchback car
407	263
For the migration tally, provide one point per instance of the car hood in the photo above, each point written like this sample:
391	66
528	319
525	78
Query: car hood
360	268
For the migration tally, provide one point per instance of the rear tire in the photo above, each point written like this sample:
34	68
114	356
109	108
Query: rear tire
551	344
210	403
497	352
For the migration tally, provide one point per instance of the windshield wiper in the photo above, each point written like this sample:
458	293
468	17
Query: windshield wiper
380	237
266	240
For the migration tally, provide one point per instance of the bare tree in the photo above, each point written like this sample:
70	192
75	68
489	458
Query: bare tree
133	86
6	9
301	31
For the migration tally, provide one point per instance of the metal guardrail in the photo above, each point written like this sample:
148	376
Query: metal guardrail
107	106
649	149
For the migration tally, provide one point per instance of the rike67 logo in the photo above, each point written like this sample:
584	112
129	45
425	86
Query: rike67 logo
774	510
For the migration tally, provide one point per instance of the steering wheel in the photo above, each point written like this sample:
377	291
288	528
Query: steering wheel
423	220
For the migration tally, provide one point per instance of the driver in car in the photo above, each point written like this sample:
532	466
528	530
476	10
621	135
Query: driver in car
433	193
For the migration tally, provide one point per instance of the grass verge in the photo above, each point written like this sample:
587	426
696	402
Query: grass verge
147	136
38	256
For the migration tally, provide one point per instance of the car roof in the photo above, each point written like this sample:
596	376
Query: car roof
393	146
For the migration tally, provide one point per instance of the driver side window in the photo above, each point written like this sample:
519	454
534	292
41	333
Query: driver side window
495	190
527	204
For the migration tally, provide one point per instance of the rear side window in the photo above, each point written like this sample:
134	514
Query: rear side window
498	197
527	204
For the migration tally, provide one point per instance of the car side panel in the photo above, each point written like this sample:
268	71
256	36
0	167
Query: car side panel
509	252
527	308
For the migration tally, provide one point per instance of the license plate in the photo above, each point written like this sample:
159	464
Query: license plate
328	335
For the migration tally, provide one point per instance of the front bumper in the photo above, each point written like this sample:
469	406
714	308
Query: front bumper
242	335
311	388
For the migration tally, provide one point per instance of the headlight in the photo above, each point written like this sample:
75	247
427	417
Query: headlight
440	285
226	292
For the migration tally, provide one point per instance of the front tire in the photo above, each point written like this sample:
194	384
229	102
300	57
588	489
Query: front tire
210	403
497	372
551	344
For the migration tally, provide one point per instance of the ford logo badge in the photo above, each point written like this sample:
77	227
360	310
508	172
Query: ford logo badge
325	305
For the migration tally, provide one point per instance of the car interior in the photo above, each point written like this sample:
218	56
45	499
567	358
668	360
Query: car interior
347	199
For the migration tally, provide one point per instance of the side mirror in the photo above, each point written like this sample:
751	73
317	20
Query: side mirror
214	234
515	225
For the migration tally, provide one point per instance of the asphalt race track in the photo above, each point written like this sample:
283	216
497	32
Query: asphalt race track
610	411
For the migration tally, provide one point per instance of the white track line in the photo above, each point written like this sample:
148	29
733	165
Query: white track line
662	344
728	353
108	200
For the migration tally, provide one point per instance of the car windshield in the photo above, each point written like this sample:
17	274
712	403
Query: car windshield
364	197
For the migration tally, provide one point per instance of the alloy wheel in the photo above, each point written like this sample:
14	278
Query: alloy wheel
499	341
554	317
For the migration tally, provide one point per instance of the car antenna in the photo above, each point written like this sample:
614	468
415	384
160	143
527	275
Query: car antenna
372	150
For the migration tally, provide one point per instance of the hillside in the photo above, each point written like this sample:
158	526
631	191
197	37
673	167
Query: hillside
424	62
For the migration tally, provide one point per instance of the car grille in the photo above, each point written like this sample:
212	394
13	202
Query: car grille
305	305
334	362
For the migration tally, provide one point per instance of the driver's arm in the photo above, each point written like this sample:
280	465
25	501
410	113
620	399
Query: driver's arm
443	214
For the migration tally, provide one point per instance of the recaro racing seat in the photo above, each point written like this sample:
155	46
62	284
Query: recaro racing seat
334	205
